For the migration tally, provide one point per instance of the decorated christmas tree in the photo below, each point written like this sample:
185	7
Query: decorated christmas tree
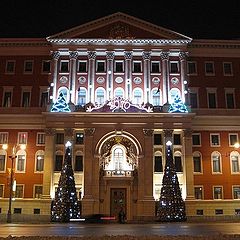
171	205
65	205
177	106
60	105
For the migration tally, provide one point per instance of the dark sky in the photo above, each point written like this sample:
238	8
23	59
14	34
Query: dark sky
194	18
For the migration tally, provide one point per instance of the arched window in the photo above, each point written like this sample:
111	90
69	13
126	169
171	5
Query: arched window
39	161
235	162
65	93
137	96
82	96
100	96
58	161
21	161
158	163
197	162
118	158
119	92
3	155
156	97
178	161
216	162
173	93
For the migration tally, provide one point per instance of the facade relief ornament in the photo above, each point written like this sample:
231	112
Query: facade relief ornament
128	55
56	55
89	131
146	55
183	56
50	131
73	55
110	55
148	132
119	31
92	55
164	55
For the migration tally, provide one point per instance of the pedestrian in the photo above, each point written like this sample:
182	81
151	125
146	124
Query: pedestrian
121	216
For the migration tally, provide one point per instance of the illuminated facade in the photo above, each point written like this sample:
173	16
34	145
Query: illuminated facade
117	88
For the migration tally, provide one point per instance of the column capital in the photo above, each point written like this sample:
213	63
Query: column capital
148	132
110	55
56	55
73	54
68	132
164	55
128	55
89	131
183	56
146	55
92	55
167	133
187	132
50	131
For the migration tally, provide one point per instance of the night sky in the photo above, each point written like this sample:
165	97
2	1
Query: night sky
194	18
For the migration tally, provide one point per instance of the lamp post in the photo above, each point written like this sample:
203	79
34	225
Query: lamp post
12	157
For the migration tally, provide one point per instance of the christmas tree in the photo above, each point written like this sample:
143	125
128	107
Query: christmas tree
60	105
171	205
177	106
65	205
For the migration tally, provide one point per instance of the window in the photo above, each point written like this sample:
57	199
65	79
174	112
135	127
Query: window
118	66
235	162
215	139
78	163
64	66
3	137
233	138
7	99
36	211
10	66
198	192
100	96
43	98
236	192
176	139
58	161
192	68
212	100
38	190
194	100
174	92
19	191
218	211
156	96
28	66
174	67
22	137
178	163
157	139
46	66
40	139
21	161
197	162
17	210
82	96
79	138
137	67
158	165
199	212
60	138
100	66
155	67
2	160
39	161
137	96
118	92
1	190
65	93
217	192
26	99
216	162
82	66
209	68
196	139
227	69
230	103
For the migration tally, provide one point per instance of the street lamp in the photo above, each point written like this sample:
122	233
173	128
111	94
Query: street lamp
12	157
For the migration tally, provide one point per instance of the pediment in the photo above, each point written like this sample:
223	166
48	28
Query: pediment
118	26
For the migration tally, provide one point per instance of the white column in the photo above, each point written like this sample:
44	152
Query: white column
73	67
91	75
184	82
165	76
110	57
128	74
55	56
146	60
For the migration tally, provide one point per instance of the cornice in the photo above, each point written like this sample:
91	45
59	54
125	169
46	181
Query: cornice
226	44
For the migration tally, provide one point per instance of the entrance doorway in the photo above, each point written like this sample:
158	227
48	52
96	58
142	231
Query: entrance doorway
118	201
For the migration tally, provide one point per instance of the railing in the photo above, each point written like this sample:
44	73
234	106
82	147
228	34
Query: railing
118	173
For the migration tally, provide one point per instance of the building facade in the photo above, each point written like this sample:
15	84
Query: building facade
107	86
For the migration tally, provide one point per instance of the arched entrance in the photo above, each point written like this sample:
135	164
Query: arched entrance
119	153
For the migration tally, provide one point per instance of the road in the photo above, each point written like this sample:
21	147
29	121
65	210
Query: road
83	229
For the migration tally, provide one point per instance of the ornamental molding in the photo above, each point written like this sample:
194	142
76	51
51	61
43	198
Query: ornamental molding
89	131
168	133
73	55
92	55
183	56
164	55
187	132
146	55
68	132
128	55
50	131
110	55
56	55
148	132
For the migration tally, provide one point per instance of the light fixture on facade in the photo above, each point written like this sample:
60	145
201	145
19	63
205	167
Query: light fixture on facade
169	143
